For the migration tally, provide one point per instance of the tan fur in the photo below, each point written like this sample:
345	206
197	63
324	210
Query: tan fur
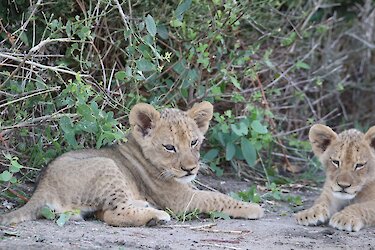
131	184
348	197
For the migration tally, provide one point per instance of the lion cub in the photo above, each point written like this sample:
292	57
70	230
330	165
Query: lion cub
131	184
348	197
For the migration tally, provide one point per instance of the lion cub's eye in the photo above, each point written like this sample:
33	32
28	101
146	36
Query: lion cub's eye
359	166
336	163
169	148
194	143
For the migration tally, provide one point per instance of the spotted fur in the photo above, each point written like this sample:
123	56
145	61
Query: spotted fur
131	184
348	198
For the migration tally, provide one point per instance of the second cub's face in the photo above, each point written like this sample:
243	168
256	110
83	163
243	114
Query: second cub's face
348	158
172	138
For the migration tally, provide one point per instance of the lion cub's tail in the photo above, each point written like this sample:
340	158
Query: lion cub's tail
29	211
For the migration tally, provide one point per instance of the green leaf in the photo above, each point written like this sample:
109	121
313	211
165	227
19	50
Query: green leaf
145	65
63	218
95	108
5	176
302	65
235	82
150	25
240	129
15	166
258	127
289	40
48	213
66	124
210	155
230	150
24	39
84	32
54	24
175	23
218	171
68	28
88	126
70	138
13	180
180	67
120	75
248	151
69	132
86	112
190	78
163	32
182	8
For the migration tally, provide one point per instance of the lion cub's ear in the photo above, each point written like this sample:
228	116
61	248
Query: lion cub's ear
143	118
370	137
321	137
202	114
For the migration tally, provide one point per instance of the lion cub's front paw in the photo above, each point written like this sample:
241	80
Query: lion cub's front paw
160	218
253	211
313	216
346	222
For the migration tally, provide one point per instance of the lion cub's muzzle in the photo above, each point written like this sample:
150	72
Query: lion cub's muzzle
343	189
188	173
191	170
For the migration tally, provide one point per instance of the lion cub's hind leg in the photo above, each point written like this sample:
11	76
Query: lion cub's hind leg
133	213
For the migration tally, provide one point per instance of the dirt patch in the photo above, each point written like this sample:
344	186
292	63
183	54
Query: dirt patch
271	232
277	230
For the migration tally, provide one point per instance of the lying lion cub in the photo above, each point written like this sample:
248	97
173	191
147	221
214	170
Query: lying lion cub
348	197
130	184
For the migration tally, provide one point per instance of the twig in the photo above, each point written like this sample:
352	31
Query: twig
41	65
366	43
35	94
18	195
274	128
37	119
205	186
222	241
123	16
203	226
22	29
187	206
220	246
208	228
48	40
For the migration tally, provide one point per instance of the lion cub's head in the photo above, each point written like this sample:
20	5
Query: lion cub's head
171	139
348	157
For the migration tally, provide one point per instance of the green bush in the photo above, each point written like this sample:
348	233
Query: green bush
71	71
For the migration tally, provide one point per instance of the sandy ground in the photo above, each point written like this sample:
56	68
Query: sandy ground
277	230
271	232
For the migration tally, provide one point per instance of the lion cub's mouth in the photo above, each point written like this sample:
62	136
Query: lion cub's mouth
342	195
186	178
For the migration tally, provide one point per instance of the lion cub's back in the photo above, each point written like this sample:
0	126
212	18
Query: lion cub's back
78	176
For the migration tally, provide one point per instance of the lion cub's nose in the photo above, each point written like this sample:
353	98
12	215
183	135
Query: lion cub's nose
188	169
344	185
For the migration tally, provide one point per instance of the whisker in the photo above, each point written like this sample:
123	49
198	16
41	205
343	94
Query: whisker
165	175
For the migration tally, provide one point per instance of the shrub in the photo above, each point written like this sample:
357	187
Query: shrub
71	70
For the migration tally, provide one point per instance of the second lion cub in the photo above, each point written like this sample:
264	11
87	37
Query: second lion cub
131	184
348	197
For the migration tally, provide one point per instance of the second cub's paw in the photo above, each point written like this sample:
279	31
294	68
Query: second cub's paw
160	218
313	216
347	222
253	211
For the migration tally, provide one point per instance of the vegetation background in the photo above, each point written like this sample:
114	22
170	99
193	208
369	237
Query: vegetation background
71	70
